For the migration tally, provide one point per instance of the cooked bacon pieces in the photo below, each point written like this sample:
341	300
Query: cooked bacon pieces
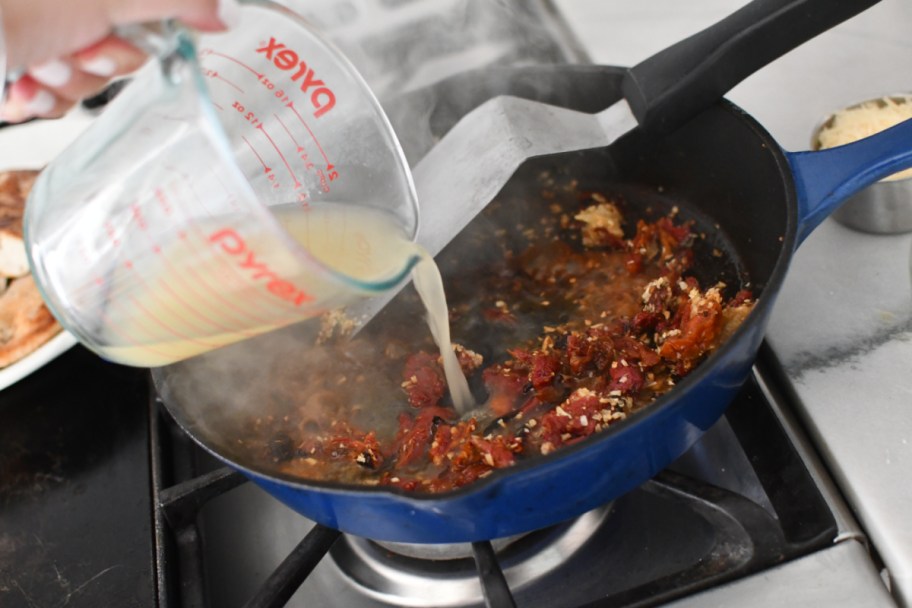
631	340
423	379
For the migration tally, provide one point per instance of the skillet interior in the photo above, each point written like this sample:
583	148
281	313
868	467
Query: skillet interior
721	165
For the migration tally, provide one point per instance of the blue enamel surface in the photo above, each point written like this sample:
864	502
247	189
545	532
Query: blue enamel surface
825	179
551	490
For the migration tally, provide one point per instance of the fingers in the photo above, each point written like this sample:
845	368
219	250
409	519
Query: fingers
205	15
110	57
27	99
49	89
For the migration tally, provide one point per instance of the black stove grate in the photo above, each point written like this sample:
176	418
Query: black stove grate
286	579
746	536
178	539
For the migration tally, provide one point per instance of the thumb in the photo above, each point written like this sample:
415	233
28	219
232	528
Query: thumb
39	30
206	15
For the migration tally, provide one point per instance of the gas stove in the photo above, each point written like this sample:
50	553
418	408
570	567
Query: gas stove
796	497
749	499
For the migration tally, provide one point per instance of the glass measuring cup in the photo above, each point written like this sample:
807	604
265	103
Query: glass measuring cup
243	181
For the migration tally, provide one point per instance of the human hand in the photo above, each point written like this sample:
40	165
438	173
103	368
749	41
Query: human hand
69	51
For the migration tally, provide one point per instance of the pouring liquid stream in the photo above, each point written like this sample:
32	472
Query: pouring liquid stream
328	232
429	284
389	249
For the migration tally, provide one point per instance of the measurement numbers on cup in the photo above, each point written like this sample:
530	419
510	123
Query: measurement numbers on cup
285	143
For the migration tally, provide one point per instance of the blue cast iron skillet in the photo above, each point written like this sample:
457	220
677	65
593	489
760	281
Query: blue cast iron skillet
722	165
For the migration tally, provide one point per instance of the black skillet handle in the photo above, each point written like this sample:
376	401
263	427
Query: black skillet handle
674	85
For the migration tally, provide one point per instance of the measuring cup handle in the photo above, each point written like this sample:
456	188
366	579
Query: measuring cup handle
158	39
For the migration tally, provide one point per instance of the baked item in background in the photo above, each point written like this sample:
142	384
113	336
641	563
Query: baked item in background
25	321
14	189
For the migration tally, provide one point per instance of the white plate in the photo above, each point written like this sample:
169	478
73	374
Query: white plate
32	146
46	353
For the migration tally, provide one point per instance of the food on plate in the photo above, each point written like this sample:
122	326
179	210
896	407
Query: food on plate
568	321
25	322
14	189
863	120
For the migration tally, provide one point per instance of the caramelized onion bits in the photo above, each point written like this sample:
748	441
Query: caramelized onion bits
611	322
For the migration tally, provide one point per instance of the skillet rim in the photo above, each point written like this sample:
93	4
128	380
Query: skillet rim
559	458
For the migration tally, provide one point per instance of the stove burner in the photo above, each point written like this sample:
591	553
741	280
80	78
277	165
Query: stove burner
686	530
438	552
402	574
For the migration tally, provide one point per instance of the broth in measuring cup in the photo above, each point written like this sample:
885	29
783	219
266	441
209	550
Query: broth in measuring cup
360	243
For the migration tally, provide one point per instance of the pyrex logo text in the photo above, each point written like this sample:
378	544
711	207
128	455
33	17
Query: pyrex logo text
232	243
322	97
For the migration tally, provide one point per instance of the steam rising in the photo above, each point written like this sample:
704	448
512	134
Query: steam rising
288	372
401	47
404	47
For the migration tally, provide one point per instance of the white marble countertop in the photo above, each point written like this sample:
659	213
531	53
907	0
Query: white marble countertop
843	323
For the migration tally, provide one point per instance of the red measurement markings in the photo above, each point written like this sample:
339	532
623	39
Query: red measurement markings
128	339
171	331
328	175
149	292
198	284
246	114
259	307
137	213
266	82
266	168
164	286
171	272
84	292
297	184
214	74
261	310
324	182
299	147
218	106
282	97
291	106
256	268
111	231
163	203
308	165
136	217
208	52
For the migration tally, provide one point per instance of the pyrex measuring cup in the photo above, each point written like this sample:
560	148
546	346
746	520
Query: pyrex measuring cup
243	181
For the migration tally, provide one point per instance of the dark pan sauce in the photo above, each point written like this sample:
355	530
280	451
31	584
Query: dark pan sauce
566	323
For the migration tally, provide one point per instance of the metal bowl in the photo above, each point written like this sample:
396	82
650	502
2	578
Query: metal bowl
884	207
